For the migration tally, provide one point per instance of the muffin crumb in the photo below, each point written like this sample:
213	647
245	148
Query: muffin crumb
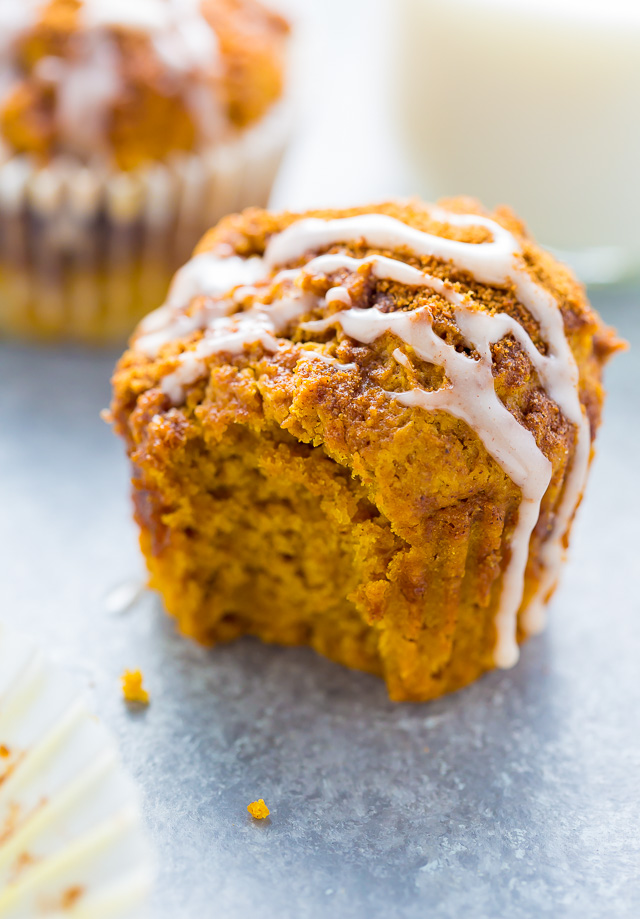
71	896
132	688
258	809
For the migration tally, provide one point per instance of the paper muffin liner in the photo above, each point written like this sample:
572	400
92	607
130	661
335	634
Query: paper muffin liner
71	837
86	252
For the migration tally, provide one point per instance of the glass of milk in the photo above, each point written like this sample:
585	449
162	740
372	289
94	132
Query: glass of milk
536	104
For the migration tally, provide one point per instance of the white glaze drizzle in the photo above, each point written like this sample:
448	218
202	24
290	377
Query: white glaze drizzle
140	15
87	87
308	355
338	295
469	393
227	333
485	261
206	275
402	359
182	39
180	33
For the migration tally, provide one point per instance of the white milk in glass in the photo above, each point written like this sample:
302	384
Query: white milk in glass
533	103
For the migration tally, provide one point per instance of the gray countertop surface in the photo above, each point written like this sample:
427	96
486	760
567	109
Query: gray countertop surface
519	796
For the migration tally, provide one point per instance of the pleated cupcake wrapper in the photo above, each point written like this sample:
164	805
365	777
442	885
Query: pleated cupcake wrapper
71	838
85	252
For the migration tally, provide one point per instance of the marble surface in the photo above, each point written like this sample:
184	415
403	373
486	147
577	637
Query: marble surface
519	796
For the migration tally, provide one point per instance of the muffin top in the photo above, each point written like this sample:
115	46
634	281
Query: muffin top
132	81
436	351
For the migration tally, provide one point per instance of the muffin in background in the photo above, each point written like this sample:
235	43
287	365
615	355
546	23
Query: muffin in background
367	431
127	127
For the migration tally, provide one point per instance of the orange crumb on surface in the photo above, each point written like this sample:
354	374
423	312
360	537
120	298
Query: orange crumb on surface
11	820
133	689
258	809
5	752
23	861
71	896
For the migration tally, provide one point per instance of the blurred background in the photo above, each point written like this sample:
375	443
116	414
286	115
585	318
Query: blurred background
532	103
346	148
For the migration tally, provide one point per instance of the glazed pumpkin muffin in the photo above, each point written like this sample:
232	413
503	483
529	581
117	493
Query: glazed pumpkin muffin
126	129
367	431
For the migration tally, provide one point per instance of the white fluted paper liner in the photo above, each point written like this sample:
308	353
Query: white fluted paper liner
85	252
71	836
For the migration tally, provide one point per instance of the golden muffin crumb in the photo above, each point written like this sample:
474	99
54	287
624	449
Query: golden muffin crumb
71	897
133	689
5	752
258	809
23	861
